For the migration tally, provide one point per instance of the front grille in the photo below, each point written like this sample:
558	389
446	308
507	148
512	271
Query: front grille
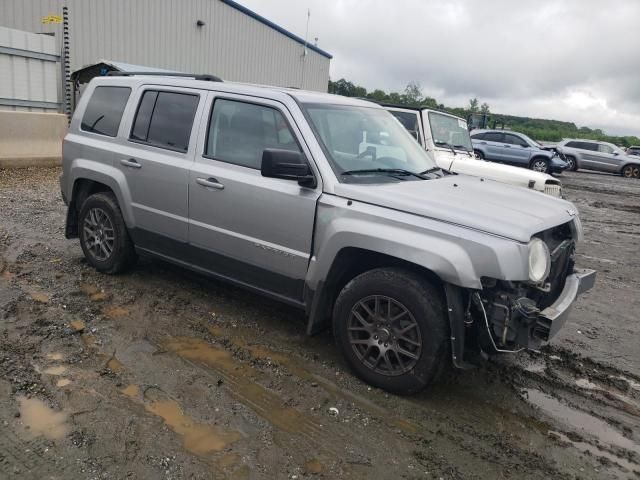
553	190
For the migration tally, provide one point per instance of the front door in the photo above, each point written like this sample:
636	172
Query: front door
242	225
155	161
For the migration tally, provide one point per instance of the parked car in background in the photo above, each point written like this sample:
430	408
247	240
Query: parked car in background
634	150
447	137
327	204
516	149
599	156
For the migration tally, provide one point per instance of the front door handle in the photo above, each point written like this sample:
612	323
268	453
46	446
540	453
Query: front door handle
210	183
132	162
483	143
507	146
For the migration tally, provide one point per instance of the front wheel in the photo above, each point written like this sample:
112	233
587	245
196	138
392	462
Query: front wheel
103	234
540	165
392	328
631	171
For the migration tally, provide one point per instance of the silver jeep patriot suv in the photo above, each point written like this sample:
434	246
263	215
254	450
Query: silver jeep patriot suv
326	203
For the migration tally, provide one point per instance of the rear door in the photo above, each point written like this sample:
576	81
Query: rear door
156	159
242	225
591	157
495	146
516	150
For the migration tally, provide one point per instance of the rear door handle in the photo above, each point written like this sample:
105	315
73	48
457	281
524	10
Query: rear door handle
483	143
507	146
132	162
210	183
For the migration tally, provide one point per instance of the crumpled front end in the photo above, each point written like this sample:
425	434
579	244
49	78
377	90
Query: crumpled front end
513	315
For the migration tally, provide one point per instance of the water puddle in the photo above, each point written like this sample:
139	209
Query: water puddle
295	367
42	420
240	380
580	421
77	325
55	356
628	404
313	467
56	370
199	439
115	312
93	292
40	297
595	451
115	365
228	460
63	382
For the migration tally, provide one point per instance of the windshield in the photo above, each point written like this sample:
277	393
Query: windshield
364	138
449	131
530	140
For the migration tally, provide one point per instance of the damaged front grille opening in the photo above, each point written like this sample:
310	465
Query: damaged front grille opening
507	314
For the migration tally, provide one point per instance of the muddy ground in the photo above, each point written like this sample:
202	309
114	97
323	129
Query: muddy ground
161	373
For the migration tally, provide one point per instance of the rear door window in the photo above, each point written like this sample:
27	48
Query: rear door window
104	110
493	137
605	149
164	119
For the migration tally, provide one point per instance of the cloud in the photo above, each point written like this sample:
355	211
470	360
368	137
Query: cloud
574	60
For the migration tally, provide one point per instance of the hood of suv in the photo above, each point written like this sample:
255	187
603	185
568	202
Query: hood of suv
512	212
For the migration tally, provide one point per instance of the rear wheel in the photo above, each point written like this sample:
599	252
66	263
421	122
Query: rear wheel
540	164
103	234
392	328
631	171
479	154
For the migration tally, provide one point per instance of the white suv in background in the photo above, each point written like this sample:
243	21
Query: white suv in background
600	156
448	138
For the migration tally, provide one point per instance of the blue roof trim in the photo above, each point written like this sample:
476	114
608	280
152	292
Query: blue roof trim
278	28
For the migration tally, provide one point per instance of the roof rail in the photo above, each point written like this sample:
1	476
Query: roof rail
196	76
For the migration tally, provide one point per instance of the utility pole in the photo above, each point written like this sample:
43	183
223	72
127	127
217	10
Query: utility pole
304	53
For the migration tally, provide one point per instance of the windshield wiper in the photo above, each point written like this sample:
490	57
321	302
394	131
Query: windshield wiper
394	171
445	144
430	170
462	147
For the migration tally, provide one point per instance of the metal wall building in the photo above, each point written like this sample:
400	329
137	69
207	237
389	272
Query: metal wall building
233	42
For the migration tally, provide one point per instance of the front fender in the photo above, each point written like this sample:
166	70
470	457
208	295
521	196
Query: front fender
456	254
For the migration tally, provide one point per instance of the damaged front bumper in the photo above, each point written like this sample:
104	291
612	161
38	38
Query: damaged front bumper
505	318
553	318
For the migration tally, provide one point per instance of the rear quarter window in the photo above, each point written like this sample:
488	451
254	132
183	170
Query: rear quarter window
104	110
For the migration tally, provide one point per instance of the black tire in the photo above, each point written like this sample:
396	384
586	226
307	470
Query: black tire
573	164
425	307
631	171
540	164
479	154
122	253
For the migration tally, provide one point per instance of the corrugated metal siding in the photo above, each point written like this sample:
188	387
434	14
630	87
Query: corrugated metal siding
23	78
163	33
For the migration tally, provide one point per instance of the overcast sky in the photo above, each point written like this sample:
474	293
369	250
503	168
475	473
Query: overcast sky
575	60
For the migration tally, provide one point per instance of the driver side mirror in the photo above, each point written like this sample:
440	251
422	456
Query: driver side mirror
524	145
287	165
616	154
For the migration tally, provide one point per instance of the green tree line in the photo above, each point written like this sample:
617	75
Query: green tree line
537	128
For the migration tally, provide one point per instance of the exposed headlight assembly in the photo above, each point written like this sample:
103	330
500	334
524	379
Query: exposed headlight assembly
539	260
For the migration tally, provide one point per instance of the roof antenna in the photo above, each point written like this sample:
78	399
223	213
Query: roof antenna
304	53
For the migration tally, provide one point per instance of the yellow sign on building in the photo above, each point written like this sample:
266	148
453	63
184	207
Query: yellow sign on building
52	19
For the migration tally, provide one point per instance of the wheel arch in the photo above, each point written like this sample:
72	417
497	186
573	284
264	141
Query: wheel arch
89	177
347	264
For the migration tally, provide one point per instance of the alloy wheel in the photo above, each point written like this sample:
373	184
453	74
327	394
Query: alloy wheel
540	166
99	236
632	171
384	335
